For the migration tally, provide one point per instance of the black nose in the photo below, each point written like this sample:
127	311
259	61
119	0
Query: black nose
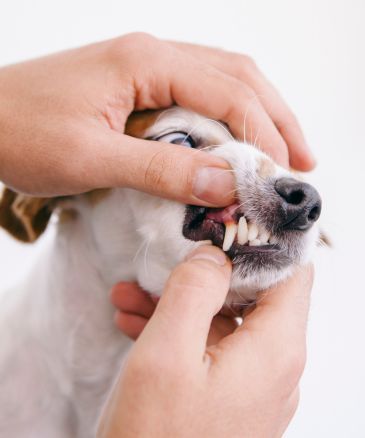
300	204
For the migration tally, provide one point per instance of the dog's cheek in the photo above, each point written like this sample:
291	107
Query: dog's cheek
159	225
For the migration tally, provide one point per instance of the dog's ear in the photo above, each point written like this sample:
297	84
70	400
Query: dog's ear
24	217
324	240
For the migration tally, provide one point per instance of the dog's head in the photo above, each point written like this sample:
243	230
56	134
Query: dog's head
269	229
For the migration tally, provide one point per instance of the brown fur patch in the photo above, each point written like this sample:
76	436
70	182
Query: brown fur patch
266	168
24	217
96	196
67	215
140	121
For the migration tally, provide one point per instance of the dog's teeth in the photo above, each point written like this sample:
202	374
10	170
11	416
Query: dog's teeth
273	240
229	236
255	242
264	236
253	231
242	232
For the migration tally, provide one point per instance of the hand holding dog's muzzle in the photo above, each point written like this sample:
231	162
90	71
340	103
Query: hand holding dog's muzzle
63	119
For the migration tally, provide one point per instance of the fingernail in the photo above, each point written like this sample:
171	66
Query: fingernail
214	185
208	253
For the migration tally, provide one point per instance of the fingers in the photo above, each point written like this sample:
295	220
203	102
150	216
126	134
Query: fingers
135	307
130	324
172	171
130	298
165	170
276	329
194	293
228	99
244	69
181	78
221	327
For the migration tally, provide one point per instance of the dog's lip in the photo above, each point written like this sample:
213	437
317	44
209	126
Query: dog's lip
237	249
199	225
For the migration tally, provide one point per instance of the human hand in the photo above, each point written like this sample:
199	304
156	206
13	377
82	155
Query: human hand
134	308
245	384
62	118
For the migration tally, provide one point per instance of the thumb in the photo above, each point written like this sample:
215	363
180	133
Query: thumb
194	293
166	170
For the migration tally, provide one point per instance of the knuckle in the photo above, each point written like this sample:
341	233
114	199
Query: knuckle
169	172
245	97
156	169
288	119
136	39
245	65
132	44
246	94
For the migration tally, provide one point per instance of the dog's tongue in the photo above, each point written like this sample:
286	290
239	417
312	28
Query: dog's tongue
223	215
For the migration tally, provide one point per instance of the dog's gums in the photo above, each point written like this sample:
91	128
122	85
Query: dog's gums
228	229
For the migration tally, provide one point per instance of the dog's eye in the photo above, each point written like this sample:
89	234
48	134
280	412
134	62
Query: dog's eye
178	137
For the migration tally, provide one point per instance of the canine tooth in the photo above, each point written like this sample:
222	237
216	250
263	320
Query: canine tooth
253	231
229	236
255	242
264	236
242	232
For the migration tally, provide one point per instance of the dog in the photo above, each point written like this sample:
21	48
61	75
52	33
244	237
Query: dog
60	351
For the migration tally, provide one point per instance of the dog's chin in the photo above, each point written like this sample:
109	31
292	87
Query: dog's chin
244	290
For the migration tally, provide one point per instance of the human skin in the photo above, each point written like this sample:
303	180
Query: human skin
244	383
62	119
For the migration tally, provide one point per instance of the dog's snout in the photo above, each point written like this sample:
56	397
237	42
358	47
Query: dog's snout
300	203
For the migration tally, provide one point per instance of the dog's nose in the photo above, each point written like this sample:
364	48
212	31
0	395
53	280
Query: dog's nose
300	203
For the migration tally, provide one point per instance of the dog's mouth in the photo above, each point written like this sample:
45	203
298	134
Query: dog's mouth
229	229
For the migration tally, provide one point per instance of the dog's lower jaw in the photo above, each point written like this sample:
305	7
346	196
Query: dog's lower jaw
243	292
62	350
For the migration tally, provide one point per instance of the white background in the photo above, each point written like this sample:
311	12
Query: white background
314	53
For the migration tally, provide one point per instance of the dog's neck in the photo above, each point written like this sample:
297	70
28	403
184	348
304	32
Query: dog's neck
81	264
71	285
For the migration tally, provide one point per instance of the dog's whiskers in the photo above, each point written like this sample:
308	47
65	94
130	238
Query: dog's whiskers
145	259
254	98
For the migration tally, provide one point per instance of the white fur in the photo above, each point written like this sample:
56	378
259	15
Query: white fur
59	349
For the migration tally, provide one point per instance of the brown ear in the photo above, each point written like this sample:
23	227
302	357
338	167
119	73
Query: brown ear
24	217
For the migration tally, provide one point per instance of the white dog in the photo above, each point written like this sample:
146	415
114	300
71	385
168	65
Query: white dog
59	349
